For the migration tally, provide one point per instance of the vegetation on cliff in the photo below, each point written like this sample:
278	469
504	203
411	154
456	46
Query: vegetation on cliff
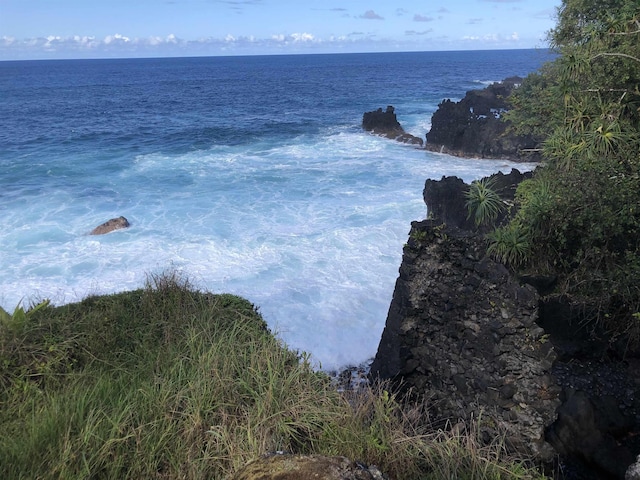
169	382
579	217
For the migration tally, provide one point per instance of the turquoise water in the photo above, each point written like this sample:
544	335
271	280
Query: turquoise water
250	175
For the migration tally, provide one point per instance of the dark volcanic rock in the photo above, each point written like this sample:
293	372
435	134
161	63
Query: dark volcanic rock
110	226
386	123
446	200
464	332
473	127
598	423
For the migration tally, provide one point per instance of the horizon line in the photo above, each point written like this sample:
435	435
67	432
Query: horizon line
160	57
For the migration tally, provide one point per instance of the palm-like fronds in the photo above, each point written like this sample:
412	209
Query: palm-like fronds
510	244
483	202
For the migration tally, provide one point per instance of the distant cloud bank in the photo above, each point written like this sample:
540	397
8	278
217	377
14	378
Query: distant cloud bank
120	45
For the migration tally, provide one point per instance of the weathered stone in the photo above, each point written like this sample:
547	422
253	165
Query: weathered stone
473	126
304	467
386	123
446	202
493	344
633	472
581	432
110	226
465	329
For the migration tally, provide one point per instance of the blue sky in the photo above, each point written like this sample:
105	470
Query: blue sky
39	29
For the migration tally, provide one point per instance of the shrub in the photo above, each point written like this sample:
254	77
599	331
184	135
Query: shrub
483	202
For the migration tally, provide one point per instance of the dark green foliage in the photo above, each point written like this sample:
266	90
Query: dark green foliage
582	211
535	106
510	244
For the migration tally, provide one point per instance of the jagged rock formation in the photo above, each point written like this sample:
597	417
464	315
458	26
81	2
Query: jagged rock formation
466	333
446	201
302	467
463	331
386	123
110	226
472	126
599	420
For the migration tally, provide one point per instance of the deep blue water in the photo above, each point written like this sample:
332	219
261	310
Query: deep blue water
249	174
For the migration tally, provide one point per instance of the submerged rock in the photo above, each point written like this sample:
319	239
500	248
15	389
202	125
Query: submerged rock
303	467
110	226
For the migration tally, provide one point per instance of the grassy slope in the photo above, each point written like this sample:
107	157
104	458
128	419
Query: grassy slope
168	382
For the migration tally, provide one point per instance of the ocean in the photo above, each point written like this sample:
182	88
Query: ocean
247	175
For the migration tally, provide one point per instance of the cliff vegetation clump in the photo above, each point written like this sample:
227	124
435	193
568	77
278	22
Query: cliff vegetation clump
171	382
578	218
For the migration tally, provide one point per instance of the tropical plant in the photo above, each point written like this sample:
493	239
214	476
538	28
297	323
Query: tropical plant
19	317
483	202
582	210
510	244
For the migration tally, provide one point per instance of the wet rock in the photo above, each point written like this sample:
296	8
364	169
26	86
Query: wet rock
473	126
303	467
386	123
110	226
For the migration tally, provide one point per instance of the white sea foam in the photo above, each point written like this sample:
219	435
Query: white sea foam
310	231
486	83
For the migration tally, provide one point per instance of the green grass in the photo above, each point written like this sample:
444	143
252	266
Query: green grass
168	382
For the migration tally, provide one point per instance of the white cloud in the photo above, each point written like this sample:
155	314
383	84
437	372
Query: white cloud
6	41
117	38
492	38
51	41
302	37
121	45
371	15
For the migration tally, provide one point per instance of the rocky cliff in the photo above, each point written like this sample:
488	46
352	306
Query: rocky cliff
473	127
386	123
466	333
463	332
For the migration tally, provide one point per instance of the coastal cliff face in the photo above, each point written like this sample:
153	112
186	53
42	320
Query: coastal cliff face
463	332
472	127
472	338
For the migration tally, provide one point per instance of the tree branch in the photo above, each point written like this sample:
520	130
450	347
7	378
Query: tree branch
608	54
